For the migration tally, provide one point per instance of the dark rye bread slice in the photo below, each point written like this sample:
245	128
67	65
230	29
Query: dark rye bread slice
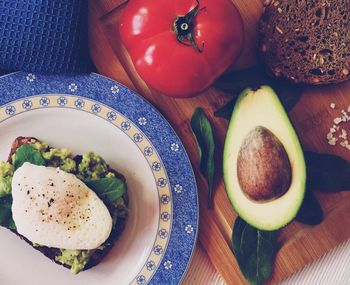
307	41
51	253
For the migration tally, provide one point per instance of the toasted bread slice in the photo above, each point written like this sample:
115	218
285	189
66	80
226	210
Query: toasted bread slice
307	41
51	253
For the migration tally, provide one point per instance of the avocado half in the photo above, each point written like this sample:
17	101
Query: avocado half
259	110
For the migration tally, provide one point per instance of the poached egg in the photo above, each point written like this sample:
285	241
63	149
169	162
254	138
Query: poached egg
55	209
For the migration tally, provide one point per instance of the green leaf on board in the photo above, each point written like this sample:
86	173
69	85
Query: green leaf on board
235	82
254	250
310	212
327	172
204	136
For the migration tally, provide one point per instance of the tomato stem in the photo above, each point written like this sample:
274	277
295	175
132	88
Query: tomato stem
184	26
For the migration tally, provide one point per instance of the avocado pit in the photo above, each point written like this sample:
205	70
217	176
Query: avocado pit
263	167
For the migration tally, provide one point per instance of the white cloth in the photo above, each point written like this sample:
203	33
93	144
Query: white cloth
331	269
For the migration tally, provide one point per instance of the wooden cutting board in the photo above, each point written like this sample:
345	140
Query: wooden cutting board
312	117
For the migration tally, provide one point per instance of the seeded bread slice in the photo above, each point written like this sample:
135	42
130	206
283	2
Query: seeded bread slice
51	253
307	41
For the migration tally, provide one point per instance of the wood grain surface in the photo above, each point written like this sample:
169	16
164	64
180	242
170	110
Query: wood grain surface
312	117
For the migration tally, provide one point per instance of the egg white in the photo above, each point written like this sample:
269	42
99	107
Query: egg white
55	209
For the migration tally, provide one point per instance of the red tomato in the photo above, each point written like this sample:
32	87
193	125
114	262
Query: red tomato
180	47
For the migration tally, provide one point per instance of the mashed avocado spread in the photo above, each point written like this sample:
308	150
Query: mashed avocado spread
91	166
86	167
6	173
77	259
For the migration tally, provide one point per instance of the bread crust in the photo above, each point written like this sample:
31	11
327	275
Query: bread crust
51	253
306	41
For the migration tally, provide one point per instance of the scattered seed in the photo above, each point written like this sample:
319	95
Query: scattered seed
321	60
332	105
278	29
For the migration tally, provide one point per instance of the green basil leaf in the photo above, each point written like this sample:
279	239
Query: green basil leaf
226	111
236	81
327	173
310	212
288	93
109	189
27	153
6	213
254	250
203	134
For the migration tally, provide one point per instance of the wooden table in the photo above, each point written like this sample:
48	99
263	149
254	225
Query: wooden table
298	244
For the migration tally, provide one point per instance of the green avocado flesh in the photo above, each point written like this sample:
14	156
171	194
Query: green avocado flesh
264	167
90	166
6	173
